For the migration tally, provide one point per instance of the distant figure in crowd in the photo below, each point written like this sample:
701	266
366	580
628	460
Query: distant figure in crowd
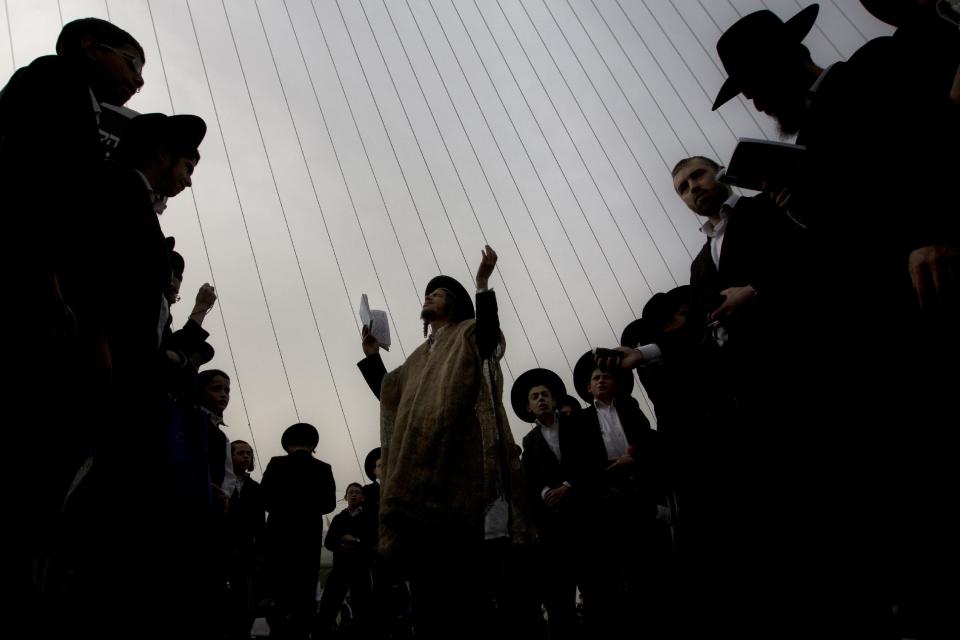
298	491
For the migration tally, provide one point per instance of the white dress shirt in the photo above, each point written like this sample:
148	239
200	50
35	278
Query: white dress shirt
716	231
614	438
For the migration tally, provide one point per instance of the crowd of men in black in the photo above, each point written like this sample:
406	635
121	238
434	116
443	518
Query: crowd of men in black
799	480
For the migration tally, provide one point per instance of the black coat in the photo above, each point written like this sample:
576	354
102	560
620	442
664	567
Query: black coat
362	526
762	247
644	482
246	517
298	491
542	469
127	271
50	153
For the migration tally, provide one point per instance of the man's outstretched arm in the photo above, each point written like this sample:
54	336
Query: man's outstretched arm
372	366
488	320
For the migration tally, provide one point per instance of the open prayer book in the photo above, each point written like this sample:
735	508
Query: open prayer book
757	161
376	322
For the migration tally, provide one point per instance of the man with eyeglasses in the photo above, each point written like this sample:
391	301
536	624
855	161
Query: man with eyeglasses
50	151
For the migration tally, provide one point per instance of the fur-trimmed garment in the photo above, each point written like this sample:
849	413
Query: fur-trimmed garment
448	453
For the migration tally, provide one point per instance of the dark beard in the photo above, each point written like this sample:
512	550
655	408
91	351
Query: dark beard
429	315
789	125
792	114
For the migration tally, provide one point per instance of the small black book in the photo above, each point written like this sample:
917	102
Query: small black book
757	161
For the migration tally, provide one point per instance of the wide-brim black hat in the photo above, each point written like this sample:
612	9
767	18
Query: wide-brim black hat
370	463
203	354
660	308
584	369
520	391
301	433
637	333
755	42
151	131
462	301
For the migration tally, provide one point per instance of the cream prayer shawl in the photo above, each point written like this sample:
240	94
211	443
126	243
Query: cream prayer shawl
447	450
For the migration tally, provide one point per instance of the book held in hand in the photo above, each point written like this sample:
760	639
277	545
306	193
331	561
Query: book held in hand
756	162
376	322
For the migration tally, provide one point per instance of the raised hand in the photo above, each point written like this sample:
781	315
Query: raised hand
369	343
488	260
206	298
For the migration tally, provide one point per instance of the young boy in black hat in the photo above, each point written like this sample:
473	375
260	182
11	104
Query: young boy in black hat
352	539
155	160
298	491
622	458
554	475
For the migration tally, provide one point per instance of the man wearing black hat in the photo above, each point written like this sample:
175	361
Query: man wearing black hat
450	472
120	292
557	492
50	152
155	160
882	245
298	491
622	459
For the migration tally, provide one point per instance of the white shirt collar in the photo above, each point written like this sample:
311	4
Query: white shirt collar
711	229
96	106
552	426
159	202
217	419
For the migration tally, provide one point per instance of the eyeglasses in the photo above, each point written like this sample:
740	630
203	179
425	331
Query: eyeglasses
134	62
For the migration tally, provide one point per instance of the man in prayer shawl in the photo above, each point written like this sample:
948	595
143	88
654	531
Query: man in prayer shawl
449	469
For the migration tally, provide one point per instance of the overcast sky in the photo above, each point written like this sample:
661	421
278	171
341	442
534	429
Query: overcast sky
363	146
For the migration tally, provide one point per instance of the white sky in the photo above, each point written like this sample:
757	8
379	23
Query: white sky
363	146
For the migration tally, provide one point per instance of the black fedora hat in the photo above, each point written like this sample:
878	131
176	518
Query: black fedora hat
584	369
203	354
370	463
660	308
301	433
637	333
755	42
530	379
148	132
462	301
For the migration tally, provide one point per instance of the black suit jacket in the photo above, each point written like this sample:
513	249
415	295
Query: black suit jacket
880	174
542	469
362	526
298	491
125	272
881	171
50	152
246	517
646	484
762	247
